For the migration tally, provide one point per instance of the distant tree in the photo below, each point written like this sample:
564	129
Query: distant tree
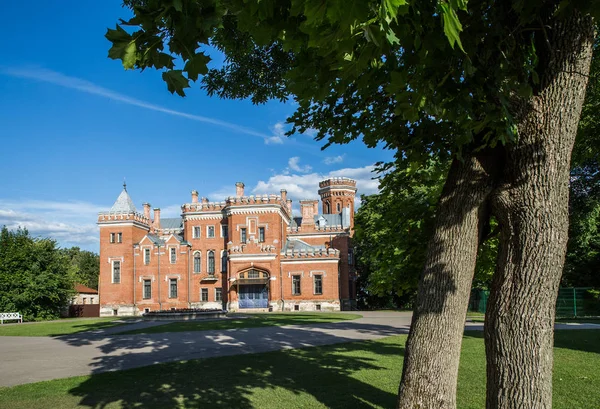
493	87
36	278
86	266
582	266
392	229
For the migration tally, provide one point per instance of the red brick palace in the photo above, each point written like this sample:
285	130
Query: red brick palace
247	252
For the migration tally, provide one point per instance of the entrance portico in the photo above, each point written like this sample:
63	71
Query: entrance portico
252	287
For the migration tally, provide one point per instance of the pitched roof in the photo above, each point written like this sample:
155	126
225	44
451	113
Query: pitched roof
296	244
80	288
170	223
123	204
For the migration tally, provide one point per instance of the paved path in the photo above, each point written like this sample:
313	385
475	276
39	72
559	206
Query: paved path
33	359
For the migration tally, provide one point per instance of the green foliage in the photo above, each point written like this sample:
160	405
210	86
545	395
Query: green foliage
423	77
583	252
85	266
392	230
36	279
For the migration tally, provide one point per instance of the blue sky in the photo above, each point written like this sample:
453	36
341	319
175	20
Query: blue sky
74	123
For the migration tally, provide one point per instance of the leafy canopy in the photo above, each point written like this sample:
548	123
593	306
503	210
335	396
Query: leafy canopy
425	77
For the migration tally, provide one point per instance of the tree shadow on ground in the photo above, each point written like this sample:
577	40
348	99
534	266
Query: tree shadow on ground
587	340
238	375
241	381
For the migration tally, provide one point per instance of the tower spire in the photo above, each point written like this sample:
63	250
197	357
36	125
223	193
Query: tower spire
124	185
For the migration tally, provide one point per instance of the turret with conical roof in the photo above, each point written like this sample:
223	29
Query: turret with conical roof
123	204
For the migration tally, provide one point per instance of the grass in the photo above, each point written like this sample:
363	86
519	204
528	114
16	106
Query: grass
56	328
248	321
352	375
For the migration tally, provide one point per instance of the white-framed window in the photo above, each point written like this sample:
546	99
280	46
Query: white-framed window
197	262
223	261
147	291
172	288
173	254
218	294
146	256
261	234
211	262
224	231
296	285
210	232
116	271
243	235
204	294
318	284
112	237
350	256
119	237
196	232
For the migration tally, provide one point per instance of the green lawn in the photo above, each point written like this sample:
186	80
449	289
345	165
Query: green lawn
352	375
249	321
56	328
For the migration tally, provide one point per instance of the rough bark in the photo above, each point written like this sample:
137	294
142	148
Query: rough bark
531	207
433	348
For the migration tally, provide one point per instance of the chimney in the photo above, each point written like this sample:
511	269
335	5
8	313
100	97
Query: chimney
307	208
204	200
316	207
146	210
239	189
156	222
194	196
289	205
283	195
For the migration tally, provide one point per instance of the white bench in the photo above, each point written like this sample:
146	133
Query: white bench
4	316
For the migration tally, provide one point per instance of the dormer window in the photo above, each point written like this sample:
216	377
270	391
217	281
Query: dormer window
146	256
173	254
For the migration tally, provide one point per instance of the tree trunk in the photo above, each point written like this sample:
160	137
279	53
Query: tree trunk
433	347
531	205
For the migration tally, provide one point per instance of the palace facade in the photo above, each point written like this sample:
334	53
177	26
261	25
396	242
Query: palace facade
244	253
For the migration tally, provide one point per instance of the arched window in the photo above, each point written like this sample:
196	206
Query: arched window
339	207
223	261
211	262
197	262
327	209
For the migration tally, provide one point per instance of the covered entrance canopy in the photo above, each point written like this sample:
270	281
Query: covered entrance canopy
253	289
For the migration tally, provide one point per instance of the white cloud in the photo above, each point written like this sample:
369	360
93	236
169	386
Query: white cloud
56	78
331	160
278	134
70	223
294	164
173	210
306	186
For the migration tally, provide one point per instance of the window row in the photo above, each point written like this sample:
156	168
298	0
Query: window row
147	291
244	235
317	284
210	232
210	262
172	255
116	237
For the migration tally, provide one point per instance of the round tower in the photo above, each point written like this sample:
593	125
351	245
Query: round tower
338	194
